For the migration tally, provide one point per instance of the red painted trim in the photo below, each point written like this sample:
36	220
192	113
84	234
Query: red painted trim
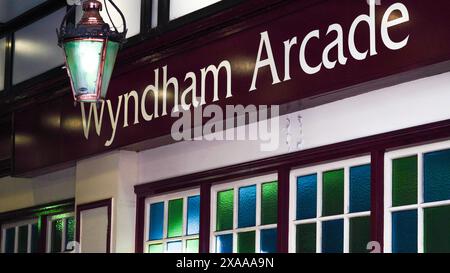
283	210
205	218
140	222
95	205
377	197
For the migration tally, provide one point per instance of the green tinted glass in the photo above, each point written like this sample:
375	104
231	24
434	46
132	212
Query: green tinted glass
156	248
111	54
306	238
404	181
359	234
437	230
333	192
269	203
83	60
225	201
192	246
246	242
175	222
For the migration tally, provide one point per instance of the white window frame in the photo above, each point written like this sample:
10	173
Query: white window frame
420	206
166	198
345	164
258	181
52	218
16	225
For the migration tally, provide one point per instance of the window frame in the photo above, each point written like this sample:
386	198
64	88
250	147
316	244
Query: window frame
16	225
216	188
50	219
420	205
319	169
184	194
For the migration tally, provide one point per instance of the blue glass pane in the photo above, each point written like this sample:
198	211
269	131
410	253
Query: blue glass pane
224	243
306	197
175	247
247	207
269	240
156	221
404	231
193	215
10	240
360	188
333	236
436	173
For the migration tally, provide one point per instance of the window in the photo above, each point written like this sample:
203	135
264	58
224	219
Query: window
244	216
180	8
417	199
20	237
60	232
330	207
173	223
36	48
2	63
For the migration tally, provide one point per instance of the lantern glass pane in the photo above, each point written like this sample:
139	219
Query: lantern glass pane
83	61
110	60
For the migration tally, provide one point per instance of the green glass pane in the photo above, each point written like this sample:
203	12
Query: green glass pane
23	239
83	60
70	231
333	192
359	234
437	230
156	248
175	222
269	203
56	239
192	246
404	181
34	238
225	201
110	59
246	242
306	238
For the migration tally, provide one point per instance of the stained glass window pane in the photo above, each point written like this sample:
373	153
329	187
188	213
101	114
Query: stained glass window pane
34	238
246	242
333	192
436	173
70	231
175	247
156	248
307	197
224	243
333	236
359	234
57	229
247	207
23	239
225	200
269	203
404	231
269	240
175	222
156	221
192	246
360	188
193	215
437	230
404	181
10	240
306	238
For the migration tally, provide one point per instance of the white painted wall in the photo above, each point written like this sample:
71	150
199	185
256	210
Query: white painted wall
18	193
402	106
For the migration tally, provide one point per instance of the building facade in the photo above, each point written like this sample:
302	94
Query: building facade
348	151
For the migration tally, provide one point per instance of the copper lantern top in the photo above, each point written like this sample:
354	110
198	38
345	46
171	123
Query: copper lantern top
91	13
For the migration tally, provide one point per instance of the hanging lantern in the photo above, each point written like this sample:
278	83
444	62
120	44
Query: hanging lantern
90	50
